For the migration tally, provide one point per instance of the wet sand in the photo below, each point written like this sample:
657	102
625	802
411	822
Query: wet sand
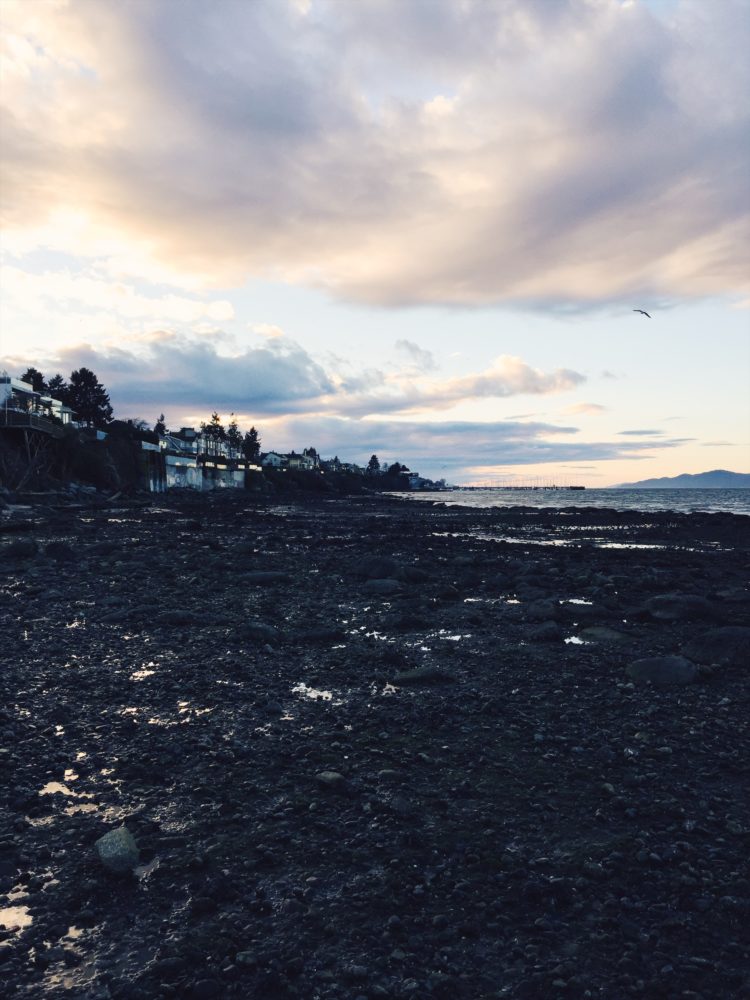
369	748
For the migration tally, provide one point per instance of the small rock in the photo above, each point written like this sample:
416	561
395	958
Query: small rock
118	851
333	780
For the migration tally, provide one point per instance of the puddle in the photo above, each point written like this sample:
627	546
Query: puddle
636	545
314	694
58	788
141	675
55	788
184	707
15	917
386	689
574	640
40	820
82	807
577	600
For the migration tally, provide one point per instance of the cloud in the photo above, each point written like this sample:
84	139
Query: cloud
577	408
170	372
449	449
641	433
295	400
167	369
390	152
62	290
507	376
421	359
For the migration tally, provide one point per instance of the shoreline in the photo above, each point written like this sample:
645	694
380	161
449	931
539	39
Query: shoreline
361	755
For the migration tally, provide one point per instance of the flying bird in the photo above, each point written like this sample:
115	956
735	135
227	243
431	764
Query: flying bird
642	312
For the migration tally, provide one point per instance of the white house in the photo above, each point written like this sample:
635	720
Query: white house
19	397
273	460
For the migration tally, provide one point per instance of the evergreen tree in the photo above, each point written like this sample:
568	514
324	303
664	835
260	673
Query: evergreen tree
373	466
251	446
234	434
160	427
58	388
88	398
214	433
35	379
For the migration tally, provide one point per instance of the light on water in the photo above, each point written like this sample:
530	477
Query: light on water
685	501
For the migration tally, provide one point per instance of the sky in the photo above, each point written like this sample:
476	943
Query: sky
414	228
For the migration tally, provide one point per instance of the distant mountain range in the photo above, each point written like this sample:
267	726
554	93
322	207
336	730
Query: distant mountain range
719	479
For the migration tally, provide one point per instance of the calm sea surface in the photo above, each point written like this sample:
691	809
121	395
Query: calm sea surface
684	501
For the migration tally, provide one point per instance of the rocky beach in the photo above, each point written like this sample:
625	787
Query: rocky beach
347	748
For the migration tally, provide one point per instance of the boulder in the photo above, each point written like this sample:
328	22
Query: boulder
265	578
546	632
377	567
413	574
332	780
601	633
679	607
175	617
259	632
382	587
118	851
22	548
321	634
423	675
728	646
663	671
542	611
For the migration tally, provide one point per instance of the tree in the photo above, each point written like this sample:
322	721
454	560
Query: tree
373	466
234	434
160	427
35	379
88	398
395	470
214	433
251	446
58	388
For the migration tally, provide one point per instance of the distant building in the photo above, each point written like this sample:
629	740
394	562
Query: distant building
273	460
21	406
200	460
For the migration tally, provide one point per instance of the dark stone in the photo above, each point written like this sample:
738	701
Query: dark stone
265	578
22	548
727	647
259	632
423	675
679	607
663	671
382	587
546	632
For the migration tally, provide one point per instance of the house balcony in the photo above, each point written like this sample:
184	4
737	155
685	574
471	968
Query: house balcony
22	420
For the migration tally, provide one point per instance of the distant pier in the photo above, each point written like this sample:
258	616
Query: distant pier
489	485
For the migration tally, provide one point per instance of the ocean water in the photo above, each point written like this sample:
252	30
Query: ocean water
682	501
